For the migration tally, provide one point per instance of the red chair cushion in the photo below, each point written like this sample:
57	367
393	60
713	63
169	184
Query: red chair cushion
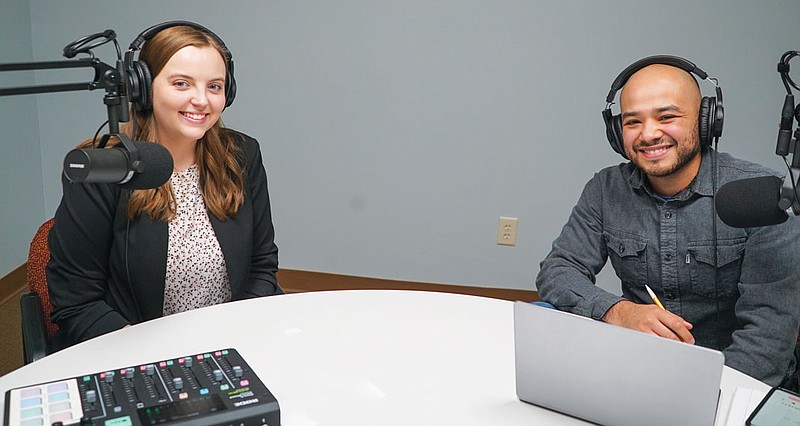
38	256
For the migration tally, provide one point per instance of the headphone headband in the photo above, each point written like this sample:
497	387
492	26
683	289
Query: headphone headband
674	61
147	34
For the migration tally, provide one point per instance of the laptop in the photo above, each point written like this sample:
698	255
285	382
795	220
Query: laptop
612	375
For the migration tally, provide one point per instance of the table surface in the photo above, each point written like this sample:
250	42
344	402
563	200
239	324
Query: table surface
360	357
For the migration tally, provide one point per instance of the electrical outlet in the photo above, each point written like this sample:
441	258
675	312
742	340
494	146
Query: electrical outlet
507	231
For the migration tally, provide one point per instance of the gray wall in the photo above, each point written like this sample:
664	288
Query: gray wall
21	191
396	133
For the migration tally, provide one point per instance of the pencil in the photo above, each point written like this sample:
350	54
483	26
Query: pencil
653	296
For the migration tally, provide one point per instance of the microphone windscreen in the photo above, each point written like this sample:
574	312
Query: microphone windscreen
156	163
750	203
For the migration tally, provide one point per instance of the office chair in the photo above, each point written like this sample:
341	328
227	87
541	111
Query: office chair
35	307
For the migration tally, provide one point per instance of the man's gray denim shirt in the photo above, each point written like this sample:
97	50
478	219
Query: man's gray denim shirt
669	244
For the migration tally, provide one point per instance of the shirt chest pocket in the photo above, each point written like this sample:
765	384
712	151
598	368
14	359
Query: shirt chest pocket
709	281
628	256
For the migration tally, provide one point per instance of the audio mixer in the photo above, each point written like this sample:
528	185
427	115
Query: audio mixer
213	388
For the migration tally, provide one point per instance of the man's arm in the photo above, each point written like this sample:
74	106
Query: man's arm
567	275
768	310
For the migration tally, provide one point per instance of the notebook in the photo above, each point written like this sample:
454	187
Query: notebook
612	375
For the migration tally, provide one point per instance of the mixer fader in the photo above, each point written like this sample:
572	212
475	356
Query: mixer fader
212	388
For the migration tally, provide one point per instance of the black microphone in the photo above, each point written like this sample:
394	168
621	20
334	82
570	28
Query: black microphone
785	126
115	165
750	203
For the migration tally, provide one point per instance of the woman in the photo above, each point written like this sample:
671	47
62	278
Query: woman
119	257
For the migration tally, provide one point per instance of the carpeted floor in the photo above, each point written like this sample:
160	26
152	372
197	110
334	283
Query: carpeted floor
10	336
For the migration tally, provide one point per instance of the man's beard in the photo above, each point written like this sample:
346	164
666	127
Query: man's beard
685	151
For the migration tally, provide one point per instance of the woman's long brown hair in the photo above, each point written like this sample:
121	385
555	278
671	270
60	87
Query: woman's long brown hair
218	158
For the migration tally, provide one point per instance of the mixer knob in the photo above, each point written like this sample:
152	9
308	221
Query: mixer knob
109	377
187	361
150	370
178	383
237	371
91	396
129	373
217	375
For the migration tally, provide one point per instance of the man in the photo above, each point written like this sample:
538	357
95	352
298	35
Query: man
654	218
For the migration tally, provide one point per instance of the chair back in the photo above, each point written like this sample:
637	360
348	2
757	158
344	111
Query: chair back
38	256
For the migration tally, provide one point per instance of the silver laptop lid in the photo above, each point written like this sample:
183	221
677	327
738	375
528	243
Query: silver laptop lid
612	375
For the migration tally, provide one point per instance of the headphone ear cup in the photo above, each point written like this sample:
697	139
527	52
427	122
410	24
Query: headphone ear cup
230	93
616	128
145	102
718	117
704	121
140	84
230	86
614	131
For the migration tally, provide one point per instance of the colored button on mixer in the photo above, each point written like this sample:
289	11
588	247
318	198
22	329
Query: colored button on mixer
27	393
31	412
61	417
57	387
61	406
61	396
30	402
33	422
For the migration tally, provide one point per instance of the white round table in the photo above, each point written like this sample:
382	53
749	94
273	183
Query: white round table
360	357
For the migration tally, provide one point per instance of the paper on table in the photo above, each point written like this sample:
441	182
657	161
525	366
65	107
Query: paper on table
744	401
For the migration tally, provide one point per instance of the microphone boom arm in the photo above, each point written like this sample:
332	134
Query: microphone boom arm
787	146
114	80
52	88
106	77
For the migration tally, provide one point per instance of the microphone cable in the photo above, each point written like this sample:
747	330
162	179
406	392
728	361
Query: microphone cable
127	265
791	177
783	70
714	178
97	133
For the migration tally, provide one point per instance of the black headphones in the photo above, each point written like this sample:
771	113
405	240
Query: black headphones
140	79
712	113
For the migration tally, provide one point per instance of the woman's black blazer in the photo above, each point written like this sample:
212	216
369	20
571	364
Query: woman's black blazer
107	271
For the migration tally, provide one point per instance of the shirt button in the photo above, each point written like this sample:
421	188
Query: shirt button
668	257
668	215
622	248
